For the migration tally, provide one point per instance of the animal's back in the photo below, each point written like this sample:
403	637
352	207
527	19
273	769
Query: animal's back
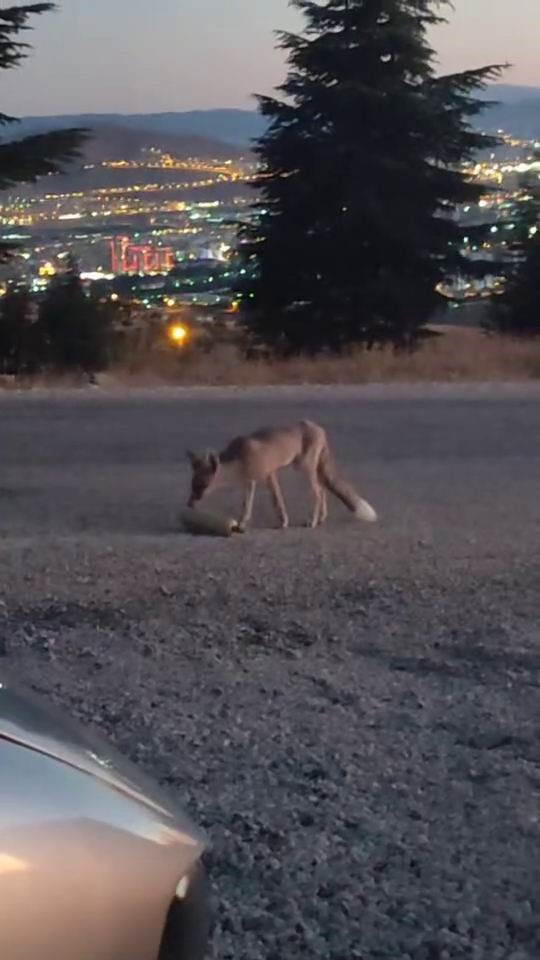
271	448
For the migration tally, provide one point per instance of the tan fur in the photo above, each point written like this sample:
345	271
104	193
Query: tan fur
257	458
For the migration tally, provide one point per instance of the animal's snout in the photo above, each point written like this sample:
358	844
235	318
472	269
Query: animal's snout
197	493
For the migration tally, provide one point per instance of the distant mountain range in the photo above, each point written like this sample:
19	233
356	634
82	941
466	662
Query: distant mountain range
110	141
237	127
508	93
517	111
206	132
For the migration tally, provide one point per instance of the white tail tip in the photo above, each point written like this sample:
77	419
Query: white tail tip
365	512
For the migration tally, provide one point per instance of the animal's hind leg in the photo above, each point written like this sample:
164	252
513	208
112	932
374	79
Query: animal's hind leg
323	514
318	497
278	501
320	509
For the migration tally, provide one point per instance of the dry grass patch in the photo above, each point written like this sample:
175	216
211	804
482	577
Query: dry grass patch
458	355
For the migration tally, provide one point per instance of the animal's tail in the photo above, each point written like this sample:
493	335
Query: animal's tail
329	476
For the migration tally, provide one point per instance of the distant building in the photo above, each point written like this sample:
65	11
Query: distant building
132	258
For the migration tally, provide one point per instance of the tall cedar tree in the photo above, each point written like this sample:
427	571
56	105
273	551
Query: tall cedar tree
516	311
27	159
359	180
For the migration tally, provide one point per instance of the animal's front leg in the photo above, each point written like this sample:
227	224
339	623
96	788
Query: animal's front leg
278	501
247	508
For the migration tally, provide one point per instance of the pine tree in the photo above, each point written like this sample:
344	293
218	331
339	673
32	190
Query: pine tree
516	311
75	328
21	348
359	180
27	159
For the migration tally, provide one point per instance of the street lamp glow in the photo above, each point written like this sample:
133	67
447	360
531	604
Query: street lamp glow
178	334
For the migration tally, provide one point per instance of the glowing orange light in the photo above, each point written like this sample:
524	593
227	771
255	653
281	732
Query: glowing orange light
178	333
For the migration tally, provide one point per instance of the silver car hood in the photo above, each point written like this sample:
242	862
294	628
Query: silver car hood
36	725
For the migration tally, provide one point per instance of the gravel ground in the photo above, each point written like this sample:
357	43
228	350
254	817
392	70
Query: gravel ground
353	713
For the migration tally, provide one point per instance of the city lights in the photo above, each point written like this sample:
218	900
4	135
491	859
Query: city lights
165	227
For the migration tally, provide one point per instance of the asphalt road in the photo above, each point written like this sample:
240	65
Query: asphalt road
353	712
443	468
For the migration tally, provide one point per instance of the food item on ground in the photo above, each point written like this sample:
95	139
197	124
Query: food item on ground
208	524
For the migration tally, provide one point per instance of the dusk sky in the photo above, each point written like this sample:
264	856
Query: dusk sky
151	55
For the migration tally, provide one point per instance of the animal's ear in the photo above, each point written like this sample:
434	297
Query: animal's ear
213	461
193	458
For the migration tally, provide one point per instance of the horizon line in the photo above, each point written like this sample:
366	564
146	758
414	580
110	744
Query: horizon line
195	109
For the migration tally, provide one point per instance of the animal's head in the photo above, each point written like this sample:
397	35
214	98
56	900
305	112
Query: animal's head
205	468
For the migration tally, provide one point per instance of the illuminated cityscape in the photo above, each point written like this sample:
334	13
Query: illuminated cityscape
502	173
161	229
157	228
